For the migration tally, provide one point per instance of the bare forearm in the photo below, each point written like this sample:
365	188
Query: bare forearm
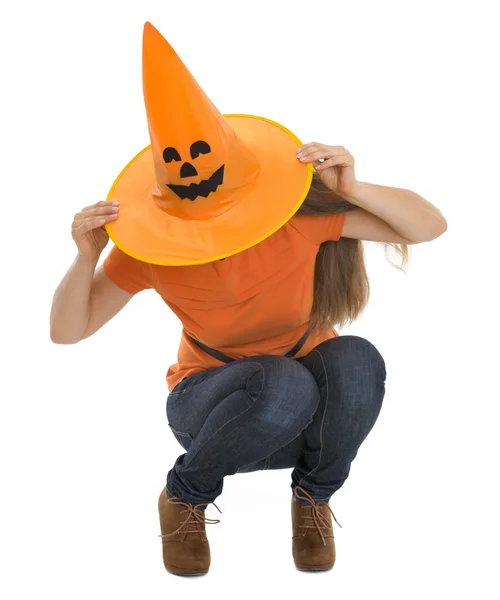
70	312
406	212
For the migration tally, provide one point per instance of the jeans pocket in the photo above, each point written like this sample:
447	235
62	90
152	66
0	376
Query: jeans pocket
183	437
191	381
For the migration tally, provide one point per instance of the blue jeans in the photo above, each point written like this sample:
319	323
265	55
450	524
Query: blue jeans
271	412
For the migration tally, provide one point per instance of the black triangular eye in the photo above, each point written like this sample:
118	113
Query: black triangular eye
170	154
199	148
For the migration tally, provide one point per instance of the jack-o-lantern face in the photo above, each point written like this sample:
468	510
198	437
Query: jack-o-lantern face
193	190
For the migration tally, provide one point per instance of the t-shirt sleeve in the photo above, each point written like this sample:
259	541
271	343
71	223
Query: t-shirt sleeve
320	228
128	273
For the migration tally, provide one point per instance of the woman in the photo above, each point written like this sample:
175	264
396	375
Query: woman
262	379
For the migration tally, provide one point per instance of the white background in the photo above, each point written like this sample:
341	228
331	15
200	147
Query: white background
409	89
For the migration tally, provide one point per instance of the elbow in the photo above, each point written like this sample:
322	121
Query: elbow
60	338
438	228
441	227
61	341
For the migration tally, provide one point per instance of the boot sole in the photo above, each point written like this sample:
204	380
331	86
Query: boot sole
186	572
315	568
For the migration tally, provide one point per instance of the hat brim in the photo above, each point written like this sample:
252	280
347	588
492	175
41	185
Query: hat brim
147	233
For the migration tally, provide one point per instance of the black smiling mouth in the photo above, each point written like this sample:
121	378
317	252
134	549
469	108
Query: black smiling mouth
204	188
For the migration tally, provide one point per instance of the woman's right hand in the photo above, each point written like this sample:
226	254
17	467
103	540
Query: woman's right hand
88	229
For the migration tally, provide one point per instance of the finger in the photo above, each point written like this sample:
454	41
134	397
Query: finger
94	205
99	204
332	162
324	165
107	209
314	146
326	152
89	225
309	147
313	156
92	223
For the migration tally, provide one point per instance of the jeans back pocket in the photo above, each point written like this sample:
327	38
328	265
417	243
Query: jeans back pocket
182	437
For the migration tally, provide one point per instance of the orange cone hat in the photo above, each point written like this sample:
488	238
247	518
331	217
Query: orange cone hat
209	185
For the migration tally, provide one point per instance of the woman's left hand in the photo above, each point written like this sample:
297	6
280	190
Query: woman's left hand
336	167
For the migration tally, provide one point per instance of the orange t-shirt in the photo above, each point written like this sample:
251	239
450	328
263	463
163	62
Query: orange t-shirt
255	302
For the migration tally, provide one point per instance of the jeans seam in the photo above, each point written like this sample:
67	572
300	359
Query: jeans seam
215	432
322	419
235	417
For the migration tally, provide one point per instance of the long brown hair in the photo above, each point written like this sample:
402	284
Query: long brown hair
341	285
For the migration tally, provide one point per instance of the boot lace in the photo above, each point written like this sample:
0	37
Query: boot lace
193	520
320	521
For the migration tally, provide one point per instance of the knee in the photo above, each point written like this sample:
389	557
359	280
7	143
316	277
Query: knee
352	353
286	389
351	369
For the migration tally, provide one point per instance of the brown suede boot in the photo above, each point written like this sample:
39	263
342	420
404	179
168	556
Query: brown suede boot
186	550
313	546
